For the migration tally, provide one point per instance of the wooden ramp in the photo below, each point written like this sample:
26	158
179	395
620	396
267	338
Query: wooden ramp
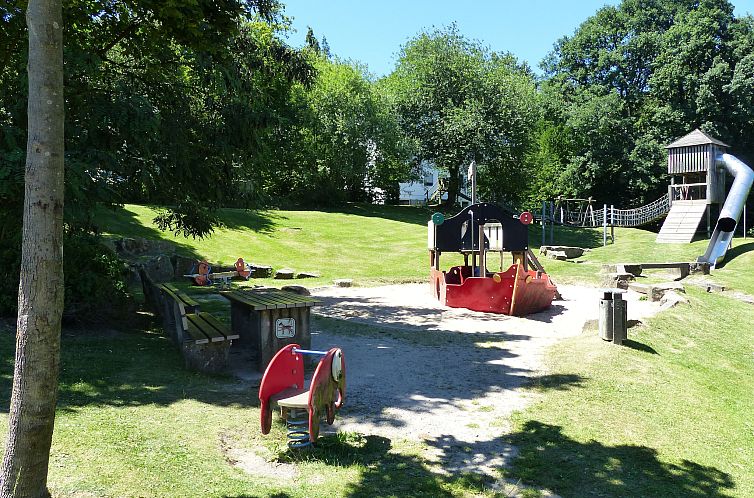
682	221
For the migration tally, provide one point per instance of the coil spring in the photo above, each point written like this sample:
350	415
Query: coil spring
297	423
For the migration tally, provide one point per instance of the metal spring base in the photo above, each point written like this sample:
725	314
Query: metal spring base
297	423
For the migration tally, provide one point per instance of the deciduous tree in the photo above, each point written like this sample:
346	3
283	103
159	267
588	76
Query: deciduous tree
40	295
458	101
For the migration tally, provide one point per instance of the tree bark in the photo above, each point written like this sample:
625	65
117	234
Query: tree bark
454	185
40	293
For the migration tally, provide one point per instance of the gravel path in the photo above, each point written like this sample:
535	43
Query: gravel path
448	377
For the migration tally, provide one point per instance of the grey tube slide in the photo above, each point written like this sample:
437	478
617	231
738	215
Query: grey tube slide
731	211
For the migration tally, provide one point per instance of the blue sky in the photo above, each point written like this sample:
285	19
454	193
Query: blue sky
372	32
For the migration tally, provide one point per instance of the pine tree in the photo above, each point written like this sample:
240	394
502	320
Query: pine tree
311	40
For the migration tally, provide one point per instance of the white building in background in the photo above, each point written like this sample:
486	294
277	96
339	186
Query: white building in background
424	189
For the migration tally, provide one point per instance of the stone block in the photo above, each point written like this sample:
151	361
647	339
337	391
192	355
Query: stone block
617	280
671	299
609	269
633	269
284	274
297	289
306	274
640	288
658	291
258	271
570	252
699	268
159	268
183	265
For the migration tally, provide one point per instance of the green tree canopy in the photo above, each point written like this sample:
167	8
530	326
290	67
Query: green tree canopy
166	102
634	77
458	101
345	144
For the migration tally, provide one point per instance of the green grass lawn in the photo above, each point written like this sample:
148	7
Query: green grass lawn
370	244
669	415
131	421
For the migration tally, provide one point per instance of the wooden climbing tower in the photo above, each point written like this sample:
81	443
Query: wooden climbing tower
697	185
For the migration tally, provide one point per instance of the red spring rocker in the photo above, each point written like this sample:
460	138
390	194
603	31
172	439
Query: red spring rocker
302	408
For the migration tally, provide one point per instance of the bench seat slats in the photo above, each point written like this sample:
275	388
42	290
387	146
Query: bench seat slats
195	334
219	326
210	332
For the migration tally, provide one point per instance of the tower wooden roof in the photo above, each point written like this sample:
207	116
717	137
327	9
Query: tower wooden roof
696	137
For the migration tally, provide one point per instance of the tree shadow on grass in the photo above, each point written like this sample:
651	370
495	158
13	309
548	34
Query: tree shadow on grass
132	367
118	222
588	238
551	460
122	222
385	473
416	215
260	221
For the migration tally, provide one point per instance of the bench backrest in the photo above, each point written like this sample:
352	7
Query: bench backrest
176	305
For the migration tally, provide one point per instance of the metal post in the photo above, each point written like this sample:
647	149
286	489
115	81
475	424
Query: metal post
612	224
472	169
604	225
482	253
552	223
544	228
473	254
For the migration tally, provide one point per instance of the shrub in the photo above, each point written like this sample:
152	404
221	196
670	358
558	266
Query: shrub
94	277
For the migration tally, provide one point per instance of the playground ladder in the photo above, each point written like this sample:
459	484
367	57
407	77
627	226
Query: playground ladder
682	221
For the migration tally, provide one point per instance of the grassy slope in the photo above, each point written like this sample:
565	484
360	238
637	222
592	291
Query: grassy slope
669	415
612	421
360	242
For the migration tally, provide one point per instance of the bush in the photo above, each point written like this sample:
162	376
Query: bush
94	277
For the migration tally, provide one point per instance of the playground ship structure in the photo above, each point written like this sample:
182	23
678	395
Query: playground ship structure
476	231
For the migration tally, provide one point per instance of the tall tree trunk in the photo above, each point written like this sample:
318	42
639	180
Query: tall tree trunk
454	185
40	293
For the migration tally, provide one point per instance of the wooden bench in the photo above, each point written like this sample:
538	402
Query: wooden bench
170	297
204	340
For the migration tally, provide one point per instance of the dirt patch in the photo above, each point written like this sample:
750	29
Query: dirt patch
255	461
449	378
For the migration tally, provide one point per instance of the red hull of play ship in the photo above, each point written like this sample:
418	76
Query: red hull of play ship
515	292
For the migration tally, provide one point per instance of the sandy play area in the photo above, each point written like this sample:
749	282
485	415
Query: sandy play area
444	376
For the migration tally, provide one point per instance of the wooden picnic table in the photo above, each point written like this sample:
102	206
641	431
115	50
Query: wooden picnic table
266	320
